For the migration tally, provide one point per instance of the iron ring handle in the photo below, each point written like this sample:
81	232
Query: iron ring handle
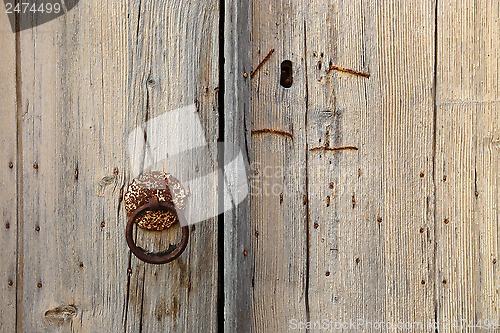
157	258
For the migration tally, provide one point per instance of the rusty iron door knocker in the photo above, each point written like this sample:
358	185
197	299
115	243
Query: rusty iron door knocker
155	201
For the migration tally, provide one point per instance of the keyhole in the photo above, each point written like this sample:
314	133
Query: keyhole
286	79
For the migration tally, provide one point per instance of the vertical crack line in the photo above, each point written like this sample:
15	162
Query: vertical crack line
141	322
127	297
308	236
434	161
220	180
19	177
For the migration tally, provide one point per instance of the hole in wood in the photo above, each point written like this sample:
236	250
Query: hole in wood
286	79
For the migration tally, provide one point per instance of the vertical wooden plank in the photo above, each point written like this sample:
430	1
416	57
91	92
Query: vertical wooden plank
370	163
8	177
406	69
345	152
467	166
90	78
238	233
278	155
176	60
75	73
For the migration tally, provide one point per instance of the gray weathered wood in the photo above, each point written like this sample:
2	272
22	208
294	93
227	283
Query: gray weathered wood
238	232
467	165
89	79
374	178
372	215
279	167
176	64
8	177
371	209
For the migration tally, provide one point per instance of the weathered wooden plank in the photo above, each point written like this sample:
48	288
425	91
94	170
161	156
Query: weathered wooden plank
467	166
278	155
176	59
370	196
8	177
74	73
90	79
238	233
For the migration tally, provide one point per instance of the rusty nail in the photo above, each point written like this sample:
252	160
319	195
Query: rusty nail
327	273
81	264
421	175
10	282
35	166
7	226
494	261
379	219
331	185
444	178
444	281
422	282
245	253
422	230
129	271
11	165
103	224
316	226
39	285
37	228
358	260
446	221
115	171
477	193
245	75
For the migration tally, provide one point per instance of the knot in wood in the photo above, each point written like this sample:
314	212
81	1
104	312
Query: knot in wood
165	188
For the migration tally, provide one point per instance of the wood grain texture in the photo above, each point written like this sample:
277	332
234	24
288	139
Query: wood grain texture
89	79
374	178
321	252
348	272
74	102
467	166
238	232
278	174
8	177
175	59
371	210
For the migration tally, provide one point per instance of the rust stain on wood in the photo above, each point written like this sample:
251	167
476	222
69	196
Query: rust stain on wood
259	66
347	70
273	131
334	148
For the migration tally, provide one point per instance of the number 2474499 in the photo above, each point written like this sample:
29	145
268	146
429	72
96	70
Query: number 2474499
25	7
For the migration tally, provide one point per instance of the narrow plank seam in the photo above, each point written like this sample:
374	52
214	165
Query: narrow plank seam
19	179
434	161
308	236
221	176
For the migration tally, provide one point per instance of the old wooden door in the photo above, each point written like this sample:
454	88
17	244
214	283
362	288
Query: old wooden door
370	131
